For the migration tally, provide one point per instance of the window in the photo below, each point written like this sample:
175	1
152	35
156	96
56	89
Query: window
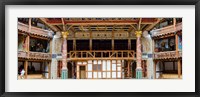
97	67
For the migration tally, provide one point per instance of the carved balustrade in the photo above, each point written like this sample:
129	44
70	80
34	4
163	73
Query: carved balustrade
35	55
167	55
167	30
34	30
102	54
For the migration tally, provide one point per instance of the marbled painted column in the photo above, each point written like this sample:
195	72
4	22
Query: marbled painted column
138	55
64	74
147	47
56	49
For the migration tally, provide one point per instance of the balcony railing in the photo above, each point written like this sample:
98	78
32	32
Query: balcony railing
104	54
34	30
23	27
35	55
22	54
39	55
167	30
167	55
39	31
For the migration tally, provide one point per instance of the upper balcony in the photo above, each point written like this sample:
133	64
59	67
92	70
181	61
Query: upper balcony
167	55
34	30
167	30
34	55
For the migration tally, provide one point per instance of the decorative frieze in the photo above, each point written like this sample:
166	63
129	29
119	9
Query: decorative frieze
22	54
39	55
82	35
101	35
167	55
121	35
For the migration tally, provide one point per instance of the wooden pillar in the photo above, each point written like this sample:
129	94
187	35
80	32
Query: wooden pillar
49	70
28	37
129	41
27	43
50	46
90	44
29	24
113	41
129	44
155	63
113	44
128	68
179	68
90	41
176	40
74	44
26	68
176	36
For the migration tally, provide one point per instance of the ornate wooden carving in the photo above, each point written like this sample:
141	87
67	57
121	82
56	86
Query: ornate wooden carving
23	27
105	54
121	34
39	56
22	54
101	35
167	55
167	30
82	35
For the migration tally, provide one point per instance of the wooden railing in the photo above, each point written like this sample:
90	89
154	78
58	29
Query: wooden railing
39	55
102	54
35	55
39	31
34	30
22	54
23	27
167	55
167	29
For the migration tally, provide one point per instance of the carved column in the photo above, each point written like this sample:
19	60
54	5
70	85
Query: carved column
138	55
64	74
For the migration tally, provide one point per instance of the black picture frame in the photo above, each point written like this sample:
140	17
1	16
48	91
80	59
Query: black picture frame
3	3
